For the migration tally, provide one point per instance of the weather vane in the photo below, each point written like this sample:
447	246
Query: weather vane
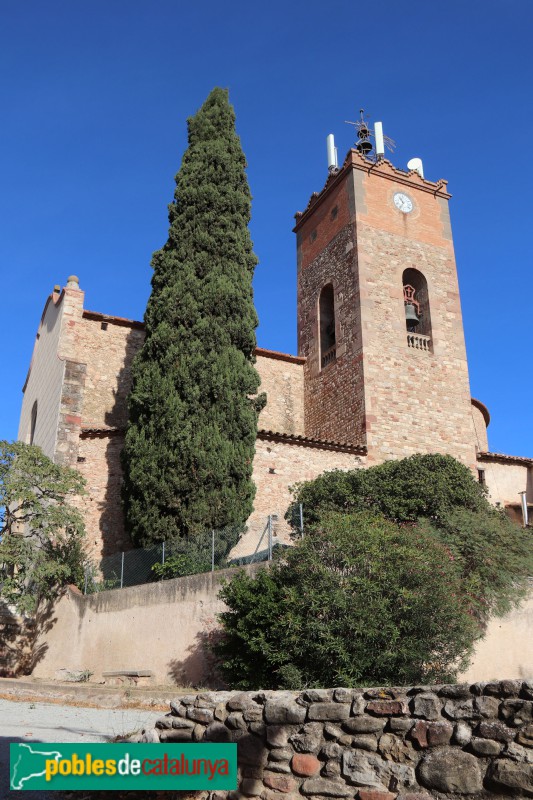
364	135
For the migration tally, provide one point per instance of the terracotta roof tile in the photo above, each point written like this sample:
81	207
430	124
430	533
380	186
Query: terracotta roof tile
305	441
486	456
93	431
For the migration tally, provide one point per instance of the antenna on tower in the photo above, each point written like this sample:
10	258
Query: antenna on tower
333	163
380	142
364	134
416	164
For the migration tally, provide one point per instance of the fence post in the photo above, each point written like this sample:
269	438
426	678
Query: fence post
85	587
259	543
270	537
302	520
163	557
212	551
122	570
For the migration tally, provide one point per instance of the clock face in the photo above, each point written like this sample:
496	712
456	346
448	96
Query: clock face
403	202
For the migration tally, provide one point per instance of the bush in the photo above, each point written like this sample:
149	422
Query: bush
359	601
440	494
493	554
403	491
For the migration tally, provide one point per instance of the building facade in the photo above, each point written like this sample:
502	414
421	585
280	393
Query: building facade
381	370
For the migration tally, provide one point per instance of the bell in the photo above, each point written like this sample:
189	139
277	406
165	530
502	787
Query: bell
411	318
364	147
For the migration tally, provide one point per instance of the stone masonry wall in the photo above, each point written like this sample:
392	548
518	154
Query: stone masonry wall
70	414
108	349
334	394
94	404
99	463
282	380
411	743
278	465
108	346
415	400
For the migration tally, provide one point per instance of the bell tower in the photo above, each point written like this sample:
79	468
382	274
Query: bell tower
379	314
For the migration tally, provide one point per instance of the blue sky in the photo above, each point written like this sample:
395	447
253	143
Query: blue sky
95	97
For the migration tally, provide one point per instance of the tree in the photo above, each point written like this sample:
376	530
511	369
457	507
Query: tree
192	417
359	601
441	495
41	534
403	491
400	569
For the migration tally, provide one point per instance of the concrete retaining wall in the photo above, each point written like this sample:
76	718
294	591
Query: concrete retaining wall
165	628
162	627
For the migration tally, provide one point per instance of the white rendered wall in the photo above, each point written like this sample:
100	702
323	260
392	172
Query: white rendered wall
44	382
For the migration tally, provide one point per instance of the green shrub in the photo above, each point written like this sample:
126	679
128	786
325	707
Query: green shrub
403	491
359	601
493	554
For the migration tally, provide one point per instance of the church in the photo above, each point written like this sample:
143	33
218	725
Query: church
381	371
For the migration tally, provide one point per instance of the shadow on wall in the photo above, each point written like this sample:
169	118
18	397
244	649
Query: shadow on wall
19	652
199	666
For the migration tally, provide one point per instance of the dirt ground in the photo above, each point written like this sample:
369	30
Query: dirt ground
37	721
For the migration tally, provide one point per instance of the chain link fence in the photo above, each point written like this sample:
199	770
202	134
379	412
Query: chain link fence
202	553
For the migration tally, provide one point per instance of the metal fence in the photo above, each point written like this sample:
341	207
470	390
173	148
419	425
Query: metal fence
202	553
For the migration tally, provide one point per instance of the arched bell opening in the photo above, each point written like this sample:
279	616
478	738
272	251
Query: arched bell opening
416	303
326	310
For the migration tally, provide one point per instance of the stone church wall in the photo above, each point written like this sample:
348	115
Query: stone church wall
108	348
278	465
80	377
108	345
99	463
282	380
410	743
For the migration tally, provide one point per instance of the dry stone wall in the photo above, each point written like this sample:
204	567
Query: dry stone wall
372	744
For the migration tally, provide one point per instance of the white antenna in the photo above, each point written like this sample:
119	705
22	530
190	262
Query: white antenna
416	164
332	153
380	141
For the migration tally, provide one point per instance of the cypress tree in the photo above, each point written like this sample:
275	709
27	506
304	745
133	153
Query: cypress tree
192	412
